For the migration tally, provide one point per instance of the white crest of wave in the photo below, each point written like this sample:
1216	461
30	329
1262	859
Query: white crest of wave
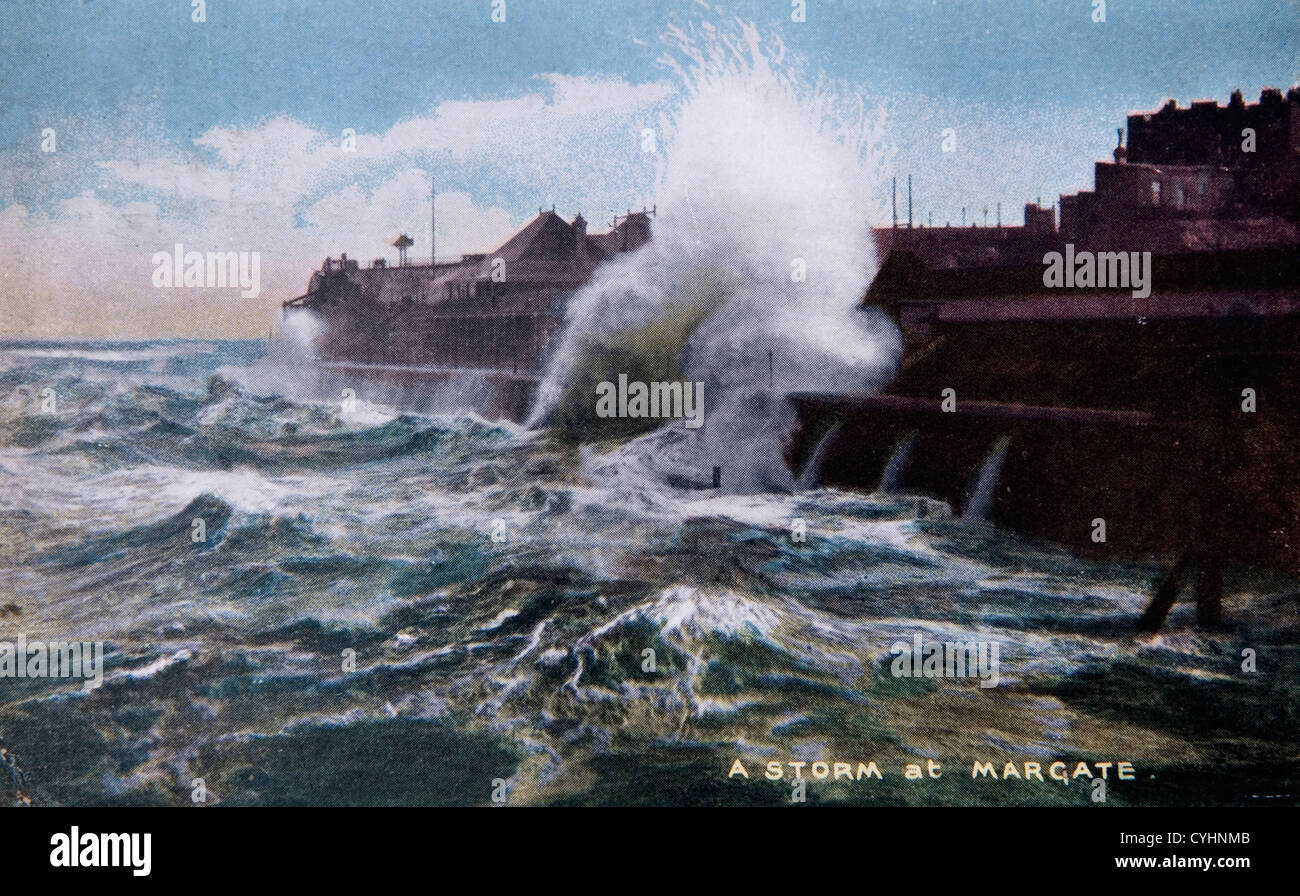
300	329
763	172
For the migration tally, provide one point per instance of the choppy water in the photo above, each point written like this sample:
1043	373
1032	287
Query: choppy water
522	659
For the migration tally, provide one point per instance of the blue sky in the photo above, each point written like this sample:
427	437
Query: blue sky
337	63
1033	88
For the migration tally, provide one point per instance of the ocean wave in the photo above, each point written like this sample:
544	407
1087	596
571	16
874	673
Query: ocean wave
359	577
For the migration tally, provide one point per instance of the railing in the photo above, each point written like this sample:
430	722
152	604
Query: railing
444	261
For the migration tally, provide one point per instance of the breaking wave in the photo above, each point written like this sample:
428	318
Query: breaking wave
761	254
525	655
588	627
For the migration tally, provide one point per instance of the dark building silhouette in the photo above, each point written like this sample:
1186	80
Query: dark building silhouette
1204	177
1099	402
496	311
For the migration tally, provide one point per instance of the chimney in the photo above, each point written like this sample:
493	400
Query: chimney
580	236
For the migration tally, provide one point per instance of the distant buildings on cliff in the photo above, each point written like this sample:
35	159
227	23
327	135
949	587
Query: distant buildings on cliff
1198	178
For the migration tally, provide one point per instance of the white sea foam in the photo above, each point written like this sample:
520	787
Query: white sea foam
109	355
762	175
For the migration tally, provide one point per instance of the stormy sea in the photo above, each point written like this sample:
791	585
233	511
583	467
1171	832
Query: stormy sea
382	607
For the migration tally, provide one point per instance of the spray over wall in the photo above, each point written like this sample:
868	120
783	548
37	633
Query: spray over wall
767	185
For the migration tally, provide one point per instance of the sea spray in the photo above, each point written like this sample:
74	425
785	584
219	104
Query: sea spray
292	368
984	492
615	617
765	192
299	330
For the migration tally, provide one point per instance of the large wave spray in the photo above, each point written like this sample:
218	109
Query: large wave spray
766	190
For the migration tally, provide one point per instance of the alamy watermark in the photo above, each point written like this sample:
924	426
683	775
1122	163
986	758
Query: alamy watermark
178	268
52	659
1098	270
638	399
90	850
947	659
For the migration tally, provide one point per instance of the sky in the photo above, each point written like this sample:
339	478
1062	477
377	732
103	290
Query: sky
226	134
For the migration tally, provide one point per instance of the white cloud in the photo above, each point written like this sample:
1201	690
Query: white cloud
291	193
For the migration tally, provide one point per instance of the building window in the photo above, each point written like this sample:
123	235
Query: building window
1179	197
1155	192
1202	183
